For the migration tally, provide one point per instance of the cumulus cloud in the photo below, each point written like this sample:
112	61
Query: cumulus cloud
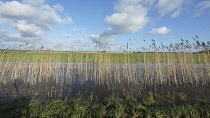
17	10
166	6
129	16
26	29
162	30
30	17
5	36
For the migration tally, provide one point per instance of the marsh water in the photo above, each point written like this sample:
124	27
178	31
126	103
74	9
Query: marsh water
60	80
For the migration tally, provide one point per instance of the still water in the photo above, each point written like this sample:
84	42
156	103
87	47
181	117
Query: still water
51	80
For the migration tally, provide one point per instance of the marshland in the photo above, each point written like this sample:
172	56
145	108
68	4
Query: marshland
117	84
104	59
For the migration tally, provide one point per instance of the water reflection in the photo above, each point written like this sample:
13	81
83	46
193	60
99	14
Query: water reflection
60	80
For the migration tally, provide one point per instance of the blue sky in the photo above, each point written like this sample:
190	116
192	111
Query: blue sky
78	24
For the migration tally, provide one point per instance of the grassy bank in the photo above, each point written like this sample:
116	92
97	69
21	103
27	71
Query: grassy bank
112	107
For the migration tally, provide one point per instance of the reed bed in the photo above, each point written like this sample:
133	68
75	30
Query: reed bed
168	74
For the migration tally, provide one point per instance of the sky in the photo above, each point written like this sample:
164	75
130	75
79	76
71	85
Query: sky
83	24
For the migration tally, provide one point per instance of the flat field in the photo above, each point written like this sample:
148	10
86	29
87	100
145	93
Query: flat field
99	57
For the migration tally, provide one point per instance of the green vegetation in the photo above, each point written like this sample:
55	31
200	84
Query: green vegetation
112	107
99	57
82	84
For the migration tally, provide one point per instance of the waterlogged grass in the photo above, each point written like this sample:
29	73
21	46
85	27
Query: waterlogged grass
111	107
85	85
99	57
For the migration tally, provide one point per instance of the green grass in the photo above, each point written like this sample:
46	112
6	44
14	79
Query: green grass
97	57
111	107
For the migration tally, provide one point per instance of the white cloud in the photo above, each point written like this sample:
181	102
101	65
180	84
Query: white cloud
30	17
166	6
8	37
66	35
5	36
103	40
94	36
168	37
81	42
201	7
84	35
149	2
175	14
204	4
34	2
17	10
58	7
77	29
26	29
129	17
5	21
162	30
68	20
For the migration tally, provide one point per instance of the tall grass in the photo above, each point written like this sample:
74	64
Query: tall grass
174	75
